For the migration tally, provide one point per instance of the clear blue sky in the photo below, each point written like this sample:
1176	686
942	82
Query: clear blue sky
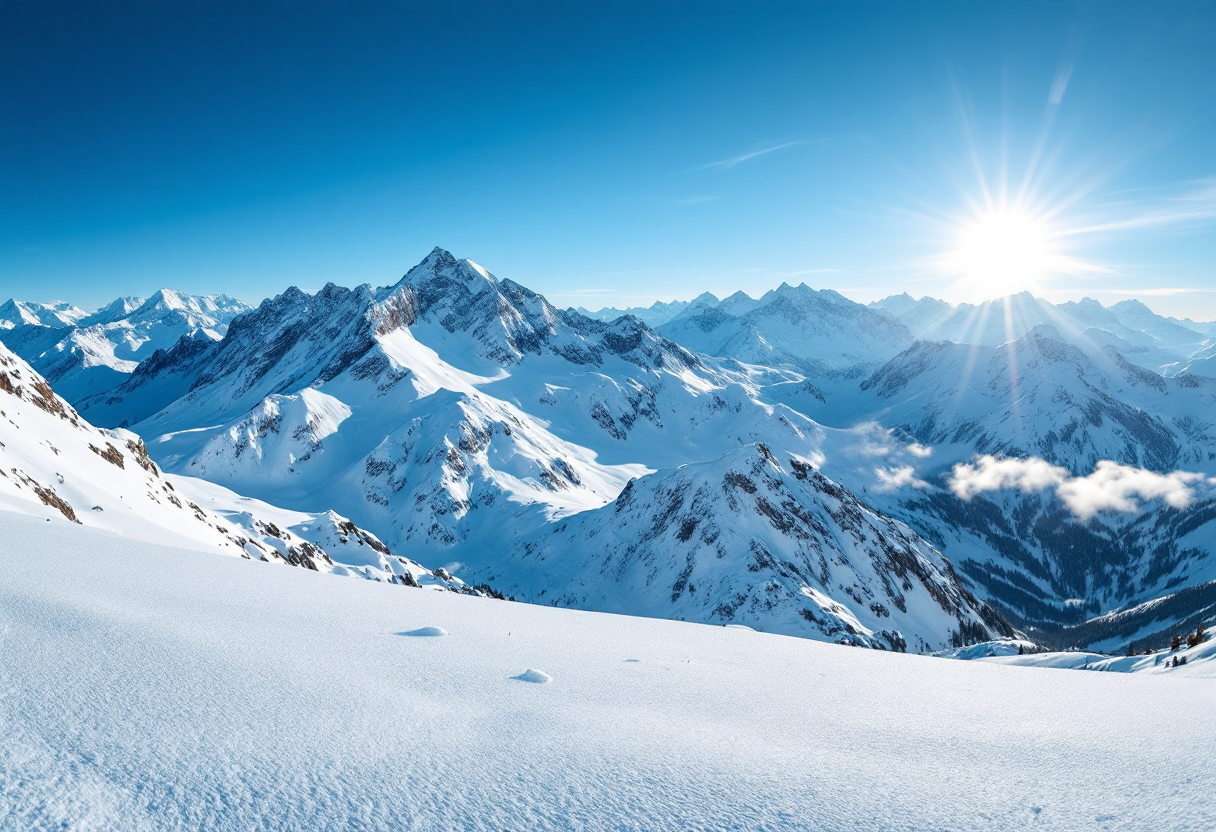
613	154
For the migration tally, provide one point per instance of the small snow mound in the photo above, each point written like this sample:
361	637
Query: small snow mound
536	677
739	627
425	632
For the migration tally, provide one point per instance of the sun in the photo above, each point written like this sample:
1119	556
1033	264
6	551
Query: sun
1002	251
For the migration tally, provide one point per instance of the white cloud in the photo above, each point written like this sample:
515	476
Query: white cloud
889	479
1115	487
990	473
874	440
1111	486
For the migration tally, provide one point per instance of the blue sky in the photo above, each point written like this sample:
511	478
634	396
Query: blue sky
606	155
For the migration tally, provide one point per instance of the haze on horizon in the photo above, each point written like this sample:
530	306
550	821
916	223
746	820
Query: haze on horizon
613	156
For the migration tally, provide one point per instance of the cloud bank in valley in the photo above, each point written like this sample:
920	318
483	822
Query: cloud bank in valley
1111	486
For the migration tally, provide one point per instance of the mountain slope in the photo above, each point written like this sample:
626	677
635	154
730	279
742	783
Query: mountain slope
54	464
1044	396
746	539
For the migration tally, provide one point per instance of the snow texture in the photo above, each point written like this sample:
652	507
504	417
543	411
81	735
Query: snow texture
147	688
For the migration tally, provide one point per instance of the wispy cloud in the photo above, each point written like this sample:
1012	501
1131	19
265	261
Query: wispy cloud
788	273
1194	204
1060	85
731	161
1111	486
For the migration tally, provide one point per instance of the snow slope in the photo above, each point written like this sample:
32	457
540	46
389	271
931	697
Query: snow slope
53	465
147	688
1200	660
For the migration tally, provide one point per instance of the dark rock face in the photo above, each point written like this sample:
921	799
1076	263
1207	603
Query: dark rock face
745	539
295	340
509	321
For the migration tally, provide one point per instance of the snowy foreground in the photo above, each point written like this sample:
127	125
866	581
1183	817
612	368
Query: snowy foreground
151	688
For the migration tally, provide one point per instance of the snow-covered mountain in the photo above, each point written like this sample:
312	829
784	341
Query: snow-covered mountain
1058	407
815	332
86	353
453	411
659	312
54	464
747	539
17	313
1161	344
1050	570
1042	395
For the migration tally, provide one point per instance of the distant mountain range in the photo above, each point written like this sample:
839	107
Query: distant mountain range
733	327
83	353
657	313
1164	345
904	475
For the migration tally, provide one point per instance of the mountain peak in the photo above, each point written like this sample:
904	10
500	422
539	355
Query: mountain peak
164	300
57	314
439	258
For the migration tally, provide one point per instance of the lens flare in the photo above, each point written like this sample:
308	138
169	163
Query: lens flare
1002	251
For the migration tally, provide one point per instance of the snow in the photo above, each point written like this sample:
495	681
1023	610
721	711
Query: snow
426	632
1149	340
55	464
1195	662
814	331
149	688
454	411
87	354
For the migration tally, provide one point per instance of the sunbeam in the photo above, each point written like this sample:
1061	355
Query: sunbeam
1002	252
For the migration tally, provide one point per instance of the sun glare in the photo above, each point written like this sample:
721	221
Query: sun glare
1001	252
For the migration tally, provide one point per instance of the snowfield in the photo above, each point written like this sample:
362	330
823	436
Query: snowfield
151	688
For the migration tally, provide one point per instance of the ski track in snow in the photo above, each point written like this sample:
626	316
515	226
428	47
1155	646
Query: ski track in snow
149	688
